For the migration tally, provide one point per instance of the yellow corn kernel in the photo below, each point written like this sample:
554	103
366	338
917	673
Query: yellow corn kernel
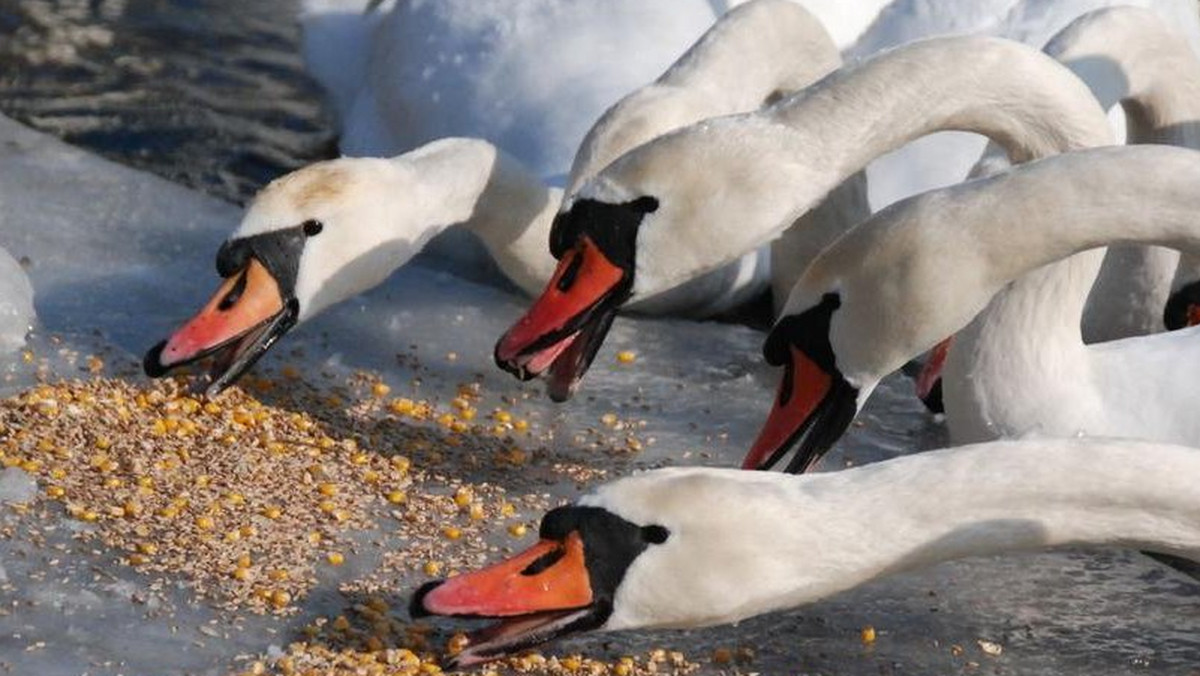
272	512
452	533
867	634
136	559
380	390
327	489
521	425
571	663
277	575
397	497
243	561
517	530
401	464
432	568
507	509
280	598
626	356
335	558
55	491
327	506
476	512
402	406
240	574
463	497
247	531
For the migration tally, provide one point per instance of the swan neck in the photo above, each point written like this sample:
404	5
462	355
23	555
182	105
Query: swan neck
1016	96
755	51
1020	496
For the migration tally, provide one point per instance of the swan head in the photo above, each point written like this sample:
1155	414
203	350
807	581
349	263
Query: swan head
662	214
309	239
668	548
594	242
814	403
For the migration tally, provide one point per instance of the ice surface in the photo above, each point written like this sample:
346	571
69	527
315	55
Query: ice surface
118	257
16	486
16	304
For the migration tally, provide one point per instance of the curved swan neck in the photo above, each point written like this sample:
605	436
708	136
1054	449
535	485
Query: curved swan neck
1128	56
1050	209
757	49
1011	93
750	542
754	52
473	183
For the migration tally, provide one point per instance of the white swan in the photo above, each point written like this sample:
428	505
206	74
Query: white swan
925	268
691	201
693	547
1127	57
329	231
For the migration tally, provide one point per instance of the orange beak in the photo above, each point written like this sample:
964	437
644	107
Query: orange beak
246	315
242	302
549	576
802	389
929	380
567	323
812	409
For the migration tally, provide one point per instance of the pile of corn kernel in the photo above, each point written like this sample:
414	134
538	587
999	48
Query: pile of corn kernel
242	498
369	641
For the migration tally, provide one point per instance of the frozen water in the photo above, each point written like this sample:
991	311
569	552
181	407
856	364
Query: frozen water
17	486
140	259
16	304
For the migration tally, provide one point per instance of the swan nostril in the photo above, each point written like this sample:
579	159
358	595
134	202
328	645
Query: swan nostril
235	294
571	273
544	561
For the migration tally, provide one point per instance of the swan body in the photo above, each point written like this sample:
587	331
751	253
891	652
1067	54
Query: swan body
371	215
926	266
693	547
691	201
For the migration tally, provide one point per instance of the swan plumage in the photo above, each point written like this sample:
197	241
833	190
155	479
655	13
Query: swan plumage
374	214
693	547
977	259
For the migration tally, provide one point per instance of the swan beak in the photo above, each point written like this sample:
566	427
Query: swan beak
929	380
564	328
1183	308
540	594
812	409
241	321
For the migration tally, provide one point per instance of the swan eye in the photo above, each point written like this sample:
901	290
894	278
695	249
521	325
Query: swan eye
312	227
655	535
